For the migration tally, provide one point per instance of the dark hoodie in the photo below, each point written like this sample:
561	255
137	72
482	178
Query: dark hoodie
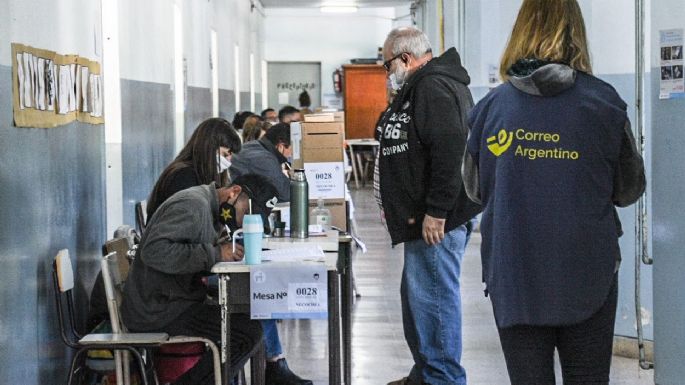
422	139
550	153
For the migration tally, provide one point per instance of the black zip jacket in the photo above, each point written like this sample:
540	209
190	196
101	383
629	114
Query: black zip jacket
422	139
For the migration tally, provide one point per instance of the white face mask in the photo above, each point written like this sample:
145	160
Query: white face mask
222	163
273	122
397	78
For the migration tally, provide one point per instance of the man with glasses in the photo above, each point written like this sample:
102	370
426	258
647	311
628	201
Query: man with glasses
418	186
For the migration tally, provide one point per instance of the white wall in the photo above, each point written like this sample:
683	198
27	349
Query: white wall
235	22
609	24
146	31
147	47
57	27
332	39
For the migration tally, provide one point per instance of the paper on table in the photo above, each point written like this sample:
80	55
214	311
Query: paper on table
294	254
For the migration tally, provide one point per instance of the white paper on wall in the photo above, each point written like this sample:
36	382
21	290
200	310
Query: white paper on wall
34	80
672	84
63	89
40	102
85	89
77	88
72	87
20	79
28	90
96	95
50	84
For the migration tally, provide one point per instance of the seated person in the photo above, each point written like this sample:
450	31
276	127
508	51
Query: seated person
265	157
289	114
254	129
205	159
164	290
270	115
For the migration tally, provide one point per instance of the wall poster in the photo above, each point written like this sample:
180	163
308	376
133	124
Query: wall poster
671	64
51	90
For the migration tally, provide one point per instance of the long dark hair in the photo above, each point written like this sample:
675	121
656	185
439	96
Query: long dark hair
200	155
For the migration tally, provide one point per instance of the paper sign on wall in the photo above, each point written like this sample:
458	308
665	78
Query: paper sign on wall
50	89
289	291
671	64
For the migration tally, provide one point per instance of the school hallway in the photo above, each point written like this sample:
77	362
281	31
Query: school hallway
379	351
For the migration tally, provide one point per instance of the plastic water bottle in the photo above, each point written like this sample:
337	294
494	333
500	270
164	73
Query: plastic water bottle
321	216
253	233
299	205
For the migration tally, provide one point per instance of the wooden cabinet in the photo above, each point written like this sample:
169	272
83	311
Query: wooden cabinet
365	96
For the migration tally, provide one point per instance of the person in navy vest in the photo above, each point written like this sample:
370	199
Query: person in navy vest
417	183
550	154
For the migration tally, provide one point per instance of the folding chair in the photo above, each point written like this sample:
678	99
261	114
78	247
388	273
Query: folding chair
141	215
113	279
63	283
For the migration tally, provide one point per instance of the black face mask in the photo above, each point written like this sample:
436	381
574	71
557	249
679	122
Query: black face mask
228	215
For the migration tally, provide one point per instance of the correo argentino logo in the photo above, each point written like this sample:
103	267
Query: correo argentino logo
498	144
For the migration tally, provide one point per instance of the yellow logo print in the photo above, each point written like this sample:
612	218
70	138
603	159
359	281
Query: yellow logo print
498	144
226	214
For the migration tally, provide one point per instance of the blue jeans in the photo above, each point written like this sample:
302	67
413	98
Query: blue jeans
272	341
431	308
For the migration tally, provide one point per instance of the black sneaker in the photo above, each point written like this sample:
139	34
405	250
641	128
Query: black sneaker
278	373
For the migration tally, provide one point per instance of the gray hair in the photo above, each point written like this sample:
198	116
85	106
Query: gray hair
408	39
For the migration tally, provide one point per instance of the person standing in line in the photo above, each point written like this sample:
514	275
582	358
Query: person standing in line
550	154
417	183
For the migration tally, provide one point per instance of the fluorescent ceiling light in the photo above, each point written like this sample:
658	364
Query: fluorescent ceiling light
339	8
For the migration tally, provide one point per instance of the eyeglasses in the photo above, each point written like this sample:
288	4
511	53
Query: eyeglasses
388	63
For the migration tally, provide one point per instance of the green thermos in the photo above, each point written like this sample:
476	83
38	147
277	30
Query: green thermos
299	205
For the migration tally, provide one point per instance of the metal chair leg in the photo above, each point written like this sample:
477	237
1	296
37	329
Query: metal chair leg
77	355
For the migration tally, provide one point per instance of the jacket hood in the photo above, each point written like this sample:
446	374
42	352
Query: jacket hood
448	64
548	79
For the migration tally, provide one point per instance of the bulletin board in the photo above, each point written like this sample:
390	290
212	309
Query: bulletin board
50	89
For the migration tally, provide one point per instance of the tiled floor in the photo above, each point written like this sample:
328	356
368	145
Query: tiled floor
379	352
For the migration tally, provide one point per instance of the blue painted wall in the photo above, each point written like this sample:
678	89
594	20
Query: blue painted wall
147	139
51	197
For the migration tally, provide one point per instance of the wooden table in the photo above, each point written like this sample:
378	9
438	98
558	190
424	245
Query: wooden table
356	163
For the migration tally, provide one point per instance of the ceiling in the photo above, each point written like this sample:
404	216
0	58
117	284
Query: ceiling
318	3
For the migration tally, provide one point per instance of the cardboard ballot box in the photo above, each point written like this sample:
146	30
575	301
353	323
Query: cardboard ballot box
336	206
318	148
317	142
